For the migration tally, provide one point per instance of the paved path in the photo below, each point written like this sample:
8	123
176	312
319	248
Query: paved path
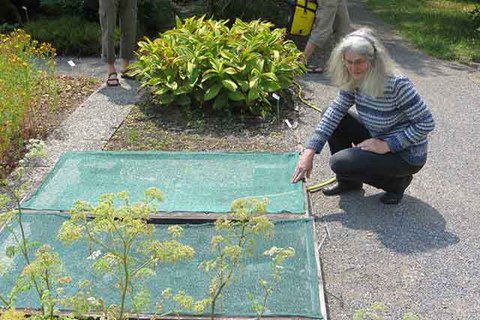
422	256
91	125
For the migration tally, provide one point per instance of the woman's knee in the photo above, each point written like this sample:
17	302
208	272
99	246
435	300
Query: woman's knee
343	161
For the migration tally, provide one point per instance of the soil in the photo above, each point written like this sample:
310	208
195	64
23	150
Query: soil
73	91
155	127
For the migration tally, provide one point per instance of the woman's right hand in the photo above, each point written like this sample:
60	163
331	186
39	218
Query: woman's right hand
304	166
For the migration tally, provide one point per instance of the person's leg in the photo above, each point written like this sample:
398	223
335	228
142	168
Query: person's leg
108	19
349	131
309	49
389	172
128	25
342	24
322	28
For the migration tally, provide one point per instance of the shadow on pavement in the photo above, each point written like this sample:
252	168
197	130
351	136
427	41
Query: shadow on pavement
413	226
124	94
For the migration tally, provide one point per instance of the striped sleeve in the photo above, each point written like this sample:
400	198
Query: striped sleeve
409	102
330	120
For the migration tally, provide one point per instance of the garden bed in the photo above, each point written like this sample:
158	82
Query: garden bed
150	127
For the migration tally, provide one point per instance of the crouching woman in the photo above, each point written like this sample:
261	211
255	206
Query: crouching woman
385	143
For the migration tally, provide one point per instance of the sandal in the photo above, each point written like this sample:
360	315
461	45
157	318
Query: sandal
314	69
112	80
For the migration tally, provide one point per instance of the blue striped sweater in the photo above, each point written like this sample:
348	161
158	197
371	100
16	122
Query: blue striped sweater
400	118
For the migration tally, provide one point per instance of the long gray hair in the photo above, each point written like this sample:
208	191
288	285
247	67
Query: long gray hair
362	42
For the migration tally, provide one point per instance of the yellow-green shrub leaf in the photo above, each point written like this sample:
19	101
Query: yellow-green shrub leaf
230	71
271	86
236	96
160	91
212	92
230	85
253	82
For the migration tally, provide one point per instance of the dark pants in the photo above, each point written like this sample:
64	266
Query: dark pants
353	165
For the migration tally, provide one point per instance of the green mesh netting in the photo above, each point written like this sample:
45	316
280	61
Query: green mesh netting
296	295
191	182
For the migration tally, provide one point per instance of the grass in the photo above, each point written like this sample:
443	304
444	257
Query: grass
441	28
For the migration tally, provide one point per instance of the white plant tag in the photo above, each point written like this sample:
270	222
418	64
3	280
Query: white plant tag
276	96
71	63
288	123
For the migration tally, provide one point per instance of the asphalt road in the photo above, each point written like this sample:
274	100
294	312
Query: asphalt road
422	256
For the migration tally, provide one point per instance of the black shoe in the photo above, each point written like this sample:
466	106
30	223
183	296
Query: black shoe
337	188
391	198
394	197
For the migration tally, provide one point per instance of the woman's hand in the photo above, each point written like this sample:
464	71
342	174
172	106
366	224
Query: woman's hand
374	145
304	166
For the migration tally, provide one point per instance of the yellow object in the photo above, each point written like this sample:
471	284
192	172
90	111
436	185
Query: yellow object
302	99
302	17
320	186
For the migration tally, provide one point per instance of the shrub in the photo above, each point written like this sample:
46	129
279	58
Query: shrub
206	63
475	16
28	92
69	35
66	7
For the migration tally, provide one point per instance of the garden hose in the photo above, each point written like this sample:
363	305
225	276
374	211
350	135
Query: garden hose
302	99
321	185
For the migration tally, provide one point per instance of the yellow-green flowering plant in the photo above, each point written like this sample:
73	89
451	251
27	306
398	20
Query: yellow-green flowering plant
43	270
128	250
234	242
28	92
278	258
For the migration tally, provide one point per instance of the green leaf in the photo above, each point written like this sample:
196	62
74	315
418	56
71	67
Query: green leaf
161	91
208	75
271	86
212	92
190	67
244	85
172	85
220	102
236	96
32	245
165	98
178	22
230	85
270	75
230	71
253	82
260	64
253	94
10	251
